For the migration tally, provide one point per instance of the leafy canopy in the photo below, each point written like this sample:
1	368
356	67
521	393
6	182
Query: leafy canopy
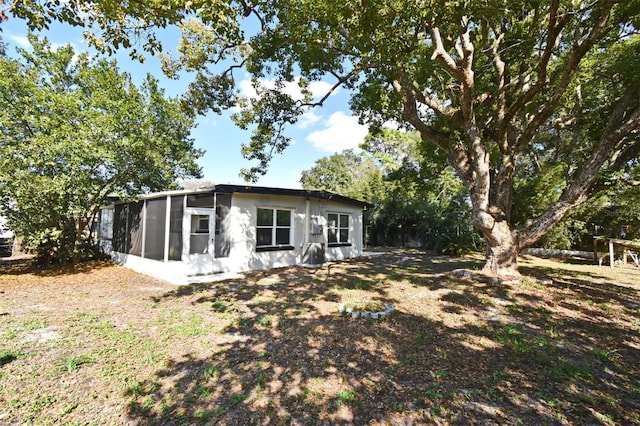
76	131
346	173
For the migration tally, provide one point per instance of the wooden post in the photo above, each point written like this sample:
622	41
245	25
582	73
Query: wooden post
611	257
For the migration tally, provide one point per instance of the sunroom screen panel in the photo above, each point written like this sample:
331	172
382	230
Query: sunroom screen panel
135	228
155	233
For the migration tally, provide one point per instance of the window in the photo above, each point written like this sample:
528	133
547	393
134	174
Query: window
273	230
199	238
199	224
204	200
338	229
105	231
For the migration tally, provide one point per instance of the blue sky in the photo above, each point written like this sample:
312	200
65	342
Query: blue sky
319	133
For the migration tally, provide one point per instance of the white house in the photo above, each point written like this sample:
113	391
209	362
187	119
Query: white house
181	235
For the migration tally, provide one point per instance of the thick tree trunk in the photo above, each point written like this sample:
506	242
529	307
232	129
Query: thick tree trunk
501	255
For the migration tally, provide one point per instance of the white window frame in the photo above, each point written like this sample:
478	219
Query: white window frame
336	227
274	228
198	223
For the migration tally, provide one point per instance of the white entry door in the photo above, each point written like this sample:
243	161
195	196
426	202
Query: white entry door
200	233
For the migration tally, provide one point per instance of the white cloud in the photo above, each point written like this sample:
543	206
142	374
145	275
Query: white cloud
21	41
341	131
309	119
246	89
338	132
320	88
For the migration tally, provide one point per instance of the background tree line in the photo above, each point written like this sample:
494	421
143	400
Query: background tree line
419	201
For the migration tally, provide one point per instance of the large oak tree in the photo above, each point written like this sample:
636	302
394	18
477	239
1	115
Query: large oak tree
487	83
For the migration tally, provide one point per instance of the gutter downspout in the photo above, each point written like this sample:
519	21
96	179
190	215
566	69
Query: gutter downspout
212	239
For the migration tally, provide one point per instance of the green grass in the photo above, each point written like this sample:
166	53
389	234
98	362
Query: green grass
348	397
211	373
237	398
569	370
201	414
265	320
67	408
606	355
9	355
223	305
512	337
73	363
433	393
266	300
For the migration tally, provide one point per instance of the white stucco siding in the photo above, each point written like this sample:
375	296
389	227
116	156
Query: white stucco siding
356	227
243	214
244	221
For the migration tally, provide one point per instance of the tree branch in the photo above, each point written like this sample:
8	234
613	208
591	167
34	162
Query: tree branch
578	52
620	125
554	30
440	54
456	155
341	81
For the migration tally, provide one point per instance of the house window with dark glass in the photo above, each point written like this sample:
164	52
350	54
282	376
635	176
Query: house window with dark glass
273	229
338	228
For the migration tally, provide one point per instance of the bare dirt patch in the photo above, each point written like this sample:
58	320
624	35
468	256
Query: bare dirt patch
100	344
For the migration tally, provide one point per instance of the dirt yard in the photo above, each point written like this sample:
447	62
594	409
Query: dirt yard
100	344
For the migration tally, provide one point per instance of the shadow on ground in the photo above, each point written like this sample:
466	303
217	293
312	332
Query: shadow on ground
28	266
456	351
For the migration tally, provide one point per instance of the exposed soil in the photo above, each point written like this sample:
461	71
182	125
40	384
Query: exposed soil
100	344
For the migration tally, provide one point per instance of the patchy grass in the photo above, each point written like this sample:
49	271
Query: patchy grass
100	344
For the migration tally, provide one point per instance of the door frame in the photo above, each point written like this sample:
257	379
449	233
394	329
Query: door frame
186	232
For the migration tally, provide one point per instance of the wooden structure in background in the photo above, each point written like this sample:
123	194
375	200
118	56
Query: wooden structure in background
630	248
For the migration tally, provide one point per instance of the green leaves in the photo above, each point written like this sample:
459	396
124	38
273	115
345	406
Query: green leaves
76	131
348	174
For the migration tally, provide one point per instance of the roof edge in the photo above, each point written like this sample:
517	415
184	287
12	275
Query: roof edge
306	193
265	190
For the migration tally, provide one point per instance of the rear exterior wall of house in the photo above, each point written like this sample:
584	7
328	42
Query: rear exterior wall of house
214	232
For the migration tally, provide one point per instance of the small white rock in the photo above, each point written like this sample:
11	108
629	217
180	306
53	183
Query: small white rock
355	314
349	310
341	308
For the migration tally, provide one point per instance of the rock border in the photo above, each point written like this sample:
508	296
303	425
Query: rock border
365	314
